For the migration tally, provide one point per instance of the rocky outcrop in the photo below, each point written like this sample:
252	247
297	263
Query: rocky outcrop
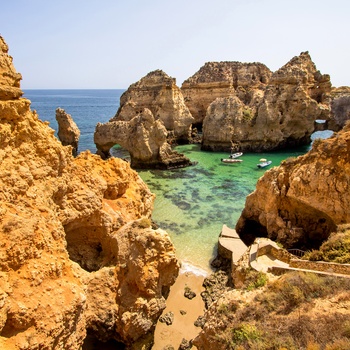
159	93
280	114
220	80
340	108
68	131
9	78
144	137
78	254
302	201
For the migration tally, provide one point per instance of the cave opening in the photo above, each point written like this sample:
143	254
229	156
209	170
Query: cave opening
252	230
91	342
85	247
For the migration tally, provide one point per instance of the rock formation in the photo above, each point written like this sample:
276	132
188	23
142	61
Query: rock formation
144	137
222	79
302	201
68	131
157	92
340	108
78	254
279	114
9	78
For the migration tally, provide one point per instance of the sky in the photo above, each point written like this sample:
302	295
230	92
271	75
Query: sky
110	44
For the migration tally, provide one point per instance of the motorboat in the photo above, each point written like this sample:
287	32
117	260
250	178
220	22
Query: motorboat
235	155
264	163
231	160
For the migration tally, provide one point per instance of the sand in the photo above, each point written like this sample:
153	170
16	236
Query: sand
183	324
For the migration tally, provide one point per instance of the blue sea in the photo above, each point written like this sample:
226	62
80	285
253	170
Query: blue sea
192	203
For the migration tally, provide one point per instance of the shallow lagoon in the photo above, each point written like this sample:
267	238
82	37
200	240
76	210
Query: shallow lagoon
193	203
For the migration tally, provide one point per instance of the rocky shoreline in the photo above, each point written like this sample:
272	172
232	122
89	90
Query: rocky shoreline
80	257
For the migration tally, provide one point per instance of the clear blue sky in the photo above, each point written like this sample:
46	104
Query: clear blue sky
114	43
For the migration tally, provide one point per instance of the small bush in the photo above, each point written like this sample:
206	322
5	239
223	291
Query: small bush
254	279
335	249
245	333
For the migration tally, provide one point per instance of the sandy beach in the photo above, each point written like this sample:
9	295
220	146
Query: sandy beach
185	311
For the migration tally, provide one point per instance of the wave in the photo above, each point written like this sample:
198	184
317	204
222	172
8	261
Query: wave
196	270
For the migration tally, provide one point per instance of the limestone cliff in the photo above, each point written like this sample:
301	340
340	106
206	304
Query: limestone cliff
78	254
9	78
222	79
279	114
144	137
302	201
159	93
68	131
340	108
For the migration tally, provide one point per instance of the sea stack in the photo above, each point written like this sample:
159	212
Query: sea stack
159	93
68	131
144	137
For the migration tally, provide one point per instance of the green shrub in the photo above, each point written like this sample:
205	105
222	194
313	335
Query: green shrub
254	279
245	333
335	249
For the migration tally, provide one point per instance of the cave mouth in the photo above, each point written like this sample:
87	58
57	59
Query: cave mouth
252	229
85	247
305	228
91	342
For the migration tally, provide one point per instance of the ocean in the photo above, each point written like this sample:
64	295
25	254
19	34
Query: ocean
192	203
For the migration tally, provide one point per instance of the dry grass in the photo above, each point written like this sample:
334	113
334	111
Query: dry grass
335	249
290	314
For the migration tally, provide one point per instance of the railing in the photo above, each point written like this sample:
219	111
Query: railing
297	252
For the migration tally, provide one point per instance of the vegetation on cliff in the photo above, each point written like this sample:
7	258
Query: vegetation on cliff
335	249
296	311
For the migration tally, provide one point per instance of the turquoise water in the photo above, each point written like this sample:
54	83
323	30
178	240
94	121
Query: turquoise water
192	203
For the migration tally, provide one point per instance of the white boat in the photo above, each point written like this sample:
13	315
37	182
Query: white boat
235	155
264	163
231	160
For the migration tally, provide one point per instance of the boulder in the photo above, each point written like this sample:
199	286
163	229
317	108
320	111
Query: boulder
68	131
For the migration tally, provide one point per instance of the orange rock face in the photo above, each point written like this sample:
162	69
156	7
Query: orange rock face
78	254
302	201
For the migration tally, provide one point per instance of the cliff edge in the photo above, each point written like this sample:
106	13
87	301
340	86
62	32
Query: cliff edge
302	201
78	254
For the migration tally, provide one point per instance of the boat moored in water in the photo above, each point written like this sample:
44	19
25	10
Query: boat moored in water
264	163
235	155
231	160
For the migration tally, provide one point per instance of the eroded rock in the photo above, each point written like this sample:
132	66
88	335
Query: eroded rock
159	93
302	201
77	248
68	131
220	80
280	113
144	137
